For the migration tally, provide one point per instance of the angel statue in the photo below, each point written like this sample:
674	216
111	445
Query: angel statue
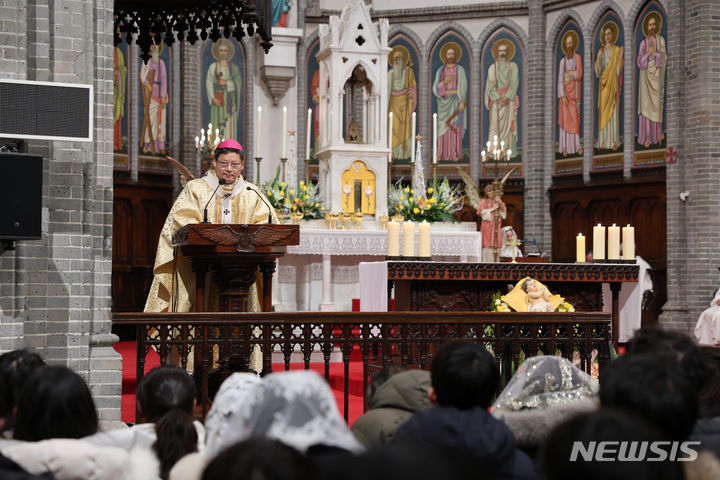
491	210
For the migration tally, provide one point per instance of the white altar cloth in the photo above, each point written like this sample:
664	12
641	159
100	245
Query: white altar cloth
321	273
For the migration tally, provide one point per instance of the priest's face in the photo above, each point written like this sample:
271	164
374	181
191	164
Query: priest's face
229	167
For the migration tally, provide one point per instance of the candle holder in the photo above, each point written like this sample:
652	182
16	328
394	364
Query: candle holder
283	161
347	220
257	170
397	218
383	222
297	216
358	219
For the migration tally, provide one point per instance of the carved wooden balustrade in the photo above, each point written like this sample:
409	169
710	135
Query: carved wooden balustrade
223	342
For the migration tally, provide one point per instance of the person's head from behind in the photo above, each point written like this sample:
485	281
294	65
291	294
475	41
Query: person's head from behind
678	345
654	387
55	403
570	454
15	368
258	459
380	377
166	397
464	375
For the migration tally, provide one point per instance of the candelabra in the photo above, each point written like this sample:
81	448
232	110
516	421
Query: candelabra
205	145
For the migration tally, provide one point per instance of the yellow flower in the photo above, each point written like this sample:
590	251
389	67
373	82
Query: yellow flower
282	184
411	191
302	182
571	309
406	189
304	188
399	207
442	204
316	204
430	190
401	197
416	210
432	200
294	207
269	194
501	308
291	192
281	194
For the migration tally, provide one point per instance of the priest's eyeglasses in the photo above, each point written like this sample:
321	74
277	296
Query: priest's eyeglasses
234	165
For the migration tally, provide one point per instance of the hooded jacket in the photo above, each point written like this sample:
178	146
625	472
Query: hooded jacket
392	404
472	435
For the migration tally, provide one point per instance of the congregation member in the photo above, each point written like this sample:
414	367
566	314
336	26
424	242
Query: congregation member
464	379
167	432
544	392
15	368
390	404
259	458
707	329
707	427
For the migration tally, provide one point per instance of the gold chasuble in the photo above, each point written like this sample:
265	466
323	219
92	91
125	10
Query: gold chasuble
231	204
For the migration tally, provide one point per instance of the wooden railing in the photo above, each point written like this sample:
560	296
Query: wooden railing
223	342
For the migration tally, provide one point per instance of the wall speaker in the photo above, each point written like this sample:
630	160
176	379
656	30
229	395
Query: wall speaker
46	110
20	196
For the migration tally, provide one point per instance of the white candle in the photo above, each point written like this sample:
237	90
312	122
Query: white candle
408	239
390	132
580	248
393	239
424	239
209	129
412	138
217	133
628	237
308	133
284	132
509	152
197	142
613	247
258	136
598	242
434	138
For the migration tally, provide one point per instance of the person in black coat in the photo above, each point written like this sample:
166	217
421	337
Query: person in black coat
464	379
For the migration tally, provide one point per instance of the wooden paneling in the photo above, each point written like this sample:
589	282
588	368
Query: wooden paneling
640	202
139	211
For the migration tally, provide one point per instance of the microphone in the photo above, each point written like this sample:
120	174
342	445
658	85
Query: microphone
266	204
221	181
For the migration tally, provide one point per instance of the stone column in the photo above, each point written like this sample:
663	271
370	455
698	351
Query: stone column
538	168
693	112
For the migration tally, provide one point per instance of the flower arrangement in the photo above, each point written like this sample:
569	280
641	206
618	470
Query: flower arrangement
437	205
303	198
565	307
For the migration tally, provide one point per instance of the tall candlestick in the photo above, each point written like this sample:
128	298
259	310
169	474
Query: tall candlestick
628	237
613	243
599	242
258	136
284	132
408	239
412	137
434	138
308	130
197	142
580	248
424	239
393	239
390	133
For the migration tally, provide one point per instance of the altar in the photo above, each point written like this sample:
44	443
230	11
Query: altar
322	272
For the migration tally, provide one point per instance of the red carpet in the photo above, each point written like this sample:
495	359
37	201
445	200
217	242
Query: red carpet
355	381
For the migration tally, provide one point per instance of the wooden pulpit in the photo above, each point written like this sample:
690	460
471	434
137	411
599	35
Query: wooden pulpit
233	254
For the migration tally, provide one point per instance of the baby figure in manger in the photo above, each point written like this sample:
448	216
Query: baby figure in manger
529	295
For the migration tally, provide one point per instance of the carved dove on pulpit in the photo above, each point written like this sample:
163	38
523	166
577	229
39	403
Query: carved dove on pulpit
245	240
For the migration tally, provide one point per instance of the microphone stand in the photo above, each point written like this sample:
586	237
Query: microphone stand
266	204
205	214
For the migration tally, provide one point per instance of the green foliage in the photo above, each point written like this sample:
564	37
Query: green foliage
303	198
438	205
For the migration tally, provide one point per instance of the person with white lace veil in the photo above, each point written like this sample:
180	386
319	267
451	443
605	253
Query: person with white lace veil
707	329
545	391
297	408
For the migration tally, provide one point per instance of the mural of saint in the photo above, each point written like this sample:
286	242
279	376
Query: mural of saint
223	84
154	90
569	92
450	88
609	72
651	63
402	89
280	9
313	99
120	91
501	95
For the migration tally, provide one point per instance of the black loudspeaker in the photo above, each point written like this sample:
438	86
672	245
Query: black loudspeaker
20	196
46	110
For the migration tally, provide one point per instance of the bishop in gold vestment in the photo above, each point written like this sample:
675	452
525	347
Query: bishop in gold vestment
233	203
